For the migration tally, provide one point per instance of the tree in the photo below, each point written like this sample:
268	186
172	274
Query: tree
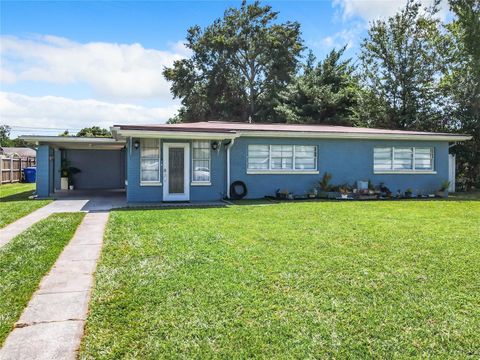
5	135
325	93
401	69
93	131
462	83
239	65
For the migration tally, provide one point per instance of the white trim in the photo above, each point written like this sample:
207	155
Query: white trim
209	162
183	135
172	134
185	196
152	183
412	172
228	167
72	139
338	135
200	183
283	172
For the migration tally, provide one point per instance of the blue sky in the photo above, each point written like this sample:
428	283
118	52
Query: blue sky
66	65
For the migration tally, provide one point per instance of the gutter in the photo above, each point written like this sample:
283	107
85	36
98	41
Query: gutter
228	146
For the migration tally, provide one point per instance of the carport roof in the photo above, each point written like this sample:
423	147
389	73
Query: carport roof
75	142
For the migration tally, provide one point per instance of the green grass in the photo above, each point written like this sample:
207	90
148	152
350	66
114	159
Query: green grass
472	195
299	280
26	259
14	202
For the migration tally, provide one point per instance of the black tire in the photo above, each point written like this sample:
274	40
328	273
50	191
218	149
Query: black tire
238	190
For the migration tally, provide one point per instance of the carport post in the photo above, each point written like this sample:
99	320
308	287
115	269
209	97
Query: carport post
43	171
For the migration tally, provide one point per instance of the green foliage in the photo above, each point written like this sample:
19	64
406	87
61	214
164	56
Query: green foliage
401	66
238	66
26	259
461	85
5	135
321	94
445	185
318	280
325	182
94	131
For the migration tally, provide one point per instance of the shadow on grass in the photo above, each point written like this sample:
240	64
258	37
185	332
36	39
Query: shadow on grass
17	197
176	207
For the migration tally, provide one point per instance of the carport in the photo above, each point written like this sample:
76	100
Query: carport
101	163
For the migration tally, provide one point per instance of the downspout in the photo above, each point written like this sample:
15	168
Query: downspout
229	145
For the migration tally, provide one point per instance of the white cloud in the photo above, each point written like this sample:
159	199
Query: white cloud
64	113
344	37
377	9
116	71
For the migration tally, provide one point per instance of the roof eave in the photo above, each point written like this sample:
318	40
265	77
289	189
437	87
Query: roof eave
74	142
173	134
346	135
121	133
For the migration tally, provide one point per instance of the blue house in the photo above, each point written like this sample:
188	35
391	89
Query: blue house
200	161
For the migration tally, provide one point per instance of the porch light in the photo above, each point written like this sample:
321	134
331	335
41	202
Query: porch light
214	145
136	144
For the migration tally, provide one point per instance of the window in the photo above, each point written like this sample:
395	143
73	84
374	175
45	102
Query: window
305	157
150	161
402	159
258	157
281	158
201	161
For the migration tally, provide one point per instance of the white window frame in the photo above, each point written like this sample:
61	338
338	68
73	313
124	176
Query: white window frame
406	171
151	183
282	171
202	183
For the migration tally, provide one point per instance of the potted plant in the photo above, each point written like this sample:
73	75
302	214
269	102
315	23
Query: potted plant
324	185
67	172
443	191
408	192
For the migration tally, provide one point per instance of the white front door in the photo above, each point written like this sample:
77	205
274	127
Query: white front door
176	171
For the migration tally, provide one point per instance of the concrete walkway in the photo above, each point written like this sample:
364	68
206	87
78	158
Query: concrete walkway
51	326
99	201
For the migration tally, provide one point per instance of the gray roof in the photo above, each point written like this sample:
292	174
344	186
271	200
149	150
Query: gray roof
23	152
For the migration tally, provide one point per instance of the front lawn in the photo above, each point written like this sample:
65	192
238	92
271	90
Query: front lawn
297	280
26	259
14	202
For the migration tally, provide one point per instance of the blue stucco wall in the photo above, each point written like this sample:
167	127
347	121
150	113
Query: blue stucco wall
347	160
100	169
139	193
43	171
57	161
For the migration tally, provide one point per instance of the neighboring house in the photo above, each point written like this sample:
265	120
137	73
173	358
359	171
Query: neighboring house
199	161
21	152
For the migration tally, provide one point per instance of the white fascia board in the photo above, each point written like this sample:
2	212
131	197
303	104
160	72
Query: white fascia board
365	136
176	135
69	139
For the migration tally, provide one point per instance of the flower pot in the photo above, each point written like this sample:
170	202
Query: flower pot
71	187
64	183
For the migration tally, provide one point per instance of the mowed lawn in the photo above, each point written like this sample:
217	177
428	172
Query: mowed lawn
297	280
26	259
14	202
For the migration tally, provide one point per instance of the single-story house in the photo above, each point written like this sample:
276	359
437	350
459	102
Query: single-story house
21	152
200	161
